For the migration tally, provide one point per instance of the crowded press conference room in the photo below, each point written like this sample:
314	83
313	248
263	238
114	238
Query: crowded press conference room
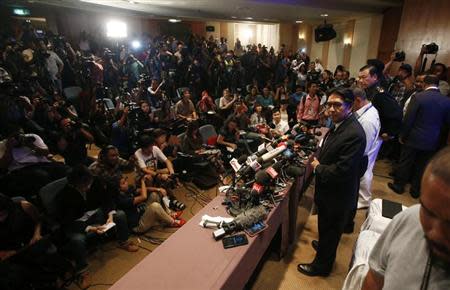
241	144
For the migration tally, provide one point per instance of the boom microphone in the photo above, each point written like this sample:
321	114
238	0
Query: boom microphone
242	221
272	154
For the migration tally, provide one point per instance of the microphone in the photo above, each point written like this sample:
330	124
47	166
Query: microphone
242	221
263	178
294	171
272	154
242	159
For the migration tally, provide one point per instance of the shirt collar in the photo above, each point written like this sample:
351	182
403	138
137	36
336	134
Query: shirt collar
336	126
363	108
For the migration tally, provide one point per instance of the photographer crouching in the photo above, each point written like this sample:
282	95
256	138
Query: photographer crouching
24	156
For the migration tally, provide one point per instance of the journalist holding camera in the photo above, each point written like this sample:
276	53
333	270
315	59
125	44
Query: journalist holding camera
72	142
24	158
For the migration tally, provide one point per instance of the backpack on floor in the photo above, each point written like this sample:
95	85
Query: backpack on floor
207	178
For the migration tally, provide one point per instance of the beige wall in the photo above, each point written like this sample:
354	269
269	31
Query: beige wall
216	33
366	36
422	22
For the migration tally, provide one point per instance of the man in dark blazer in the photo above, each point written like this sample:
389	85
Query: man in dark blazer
338	170
427	113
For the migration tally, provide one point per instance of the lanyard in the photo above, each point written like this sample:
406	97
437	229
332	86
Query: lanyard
426	274
365	111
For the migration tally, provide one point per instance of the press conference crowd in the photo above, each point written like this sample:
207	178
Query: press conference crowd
151	110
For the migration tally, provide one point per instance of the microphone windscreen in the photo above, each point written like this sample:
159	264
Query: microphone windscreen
295	171
277	166
242	159
251	216
262	177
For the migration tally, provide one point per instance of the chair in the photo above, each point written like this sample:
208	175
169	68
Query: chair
181	139
180	92
207	131
48	194
217	102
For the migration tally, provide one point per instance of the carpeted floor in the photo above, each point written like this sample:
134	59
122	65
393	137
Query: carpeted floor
108	263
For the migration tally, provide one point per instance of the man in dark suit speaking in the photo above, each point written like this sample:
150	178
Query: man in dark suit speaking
338	170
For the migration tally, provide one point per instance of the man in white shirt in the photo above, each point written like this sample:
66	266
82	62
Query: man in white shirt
25	158
280	126
147	157
367	116
414	250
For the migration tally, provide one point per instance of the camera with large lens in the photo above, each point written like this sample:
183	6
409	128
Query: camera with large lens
23	140
431	48
400	56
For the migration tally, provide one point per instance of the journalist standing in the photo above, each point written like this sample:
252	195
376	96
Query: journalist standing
367	116
425	118
338	170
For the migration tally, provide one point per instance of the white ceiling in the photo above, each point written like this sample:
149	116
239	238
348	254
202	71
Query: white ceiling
234	10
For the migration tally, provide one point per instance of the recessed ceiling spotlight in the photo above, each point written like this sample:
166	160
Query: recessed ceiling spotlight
234	17
131	2
324	15
299	21
249	18
173	20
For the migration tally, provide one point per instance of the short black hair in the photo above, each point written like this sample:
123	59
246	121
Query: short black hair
276	110
79	175
431	80
379	66
373	70
146	140
345	94
309	84
438	166
158	132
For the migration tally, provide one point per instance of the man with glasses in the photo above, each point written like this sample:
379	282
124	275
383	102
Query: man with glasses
338	169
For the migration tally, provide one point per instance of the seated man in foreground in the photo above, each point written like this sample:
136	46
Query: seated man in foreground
414	250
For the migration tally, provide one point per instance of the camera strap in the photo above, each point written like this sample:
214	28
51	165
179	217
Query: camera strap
427	273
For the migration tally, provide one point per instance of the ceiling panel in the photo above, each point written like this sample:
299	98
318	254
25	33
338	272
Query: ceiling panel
245	10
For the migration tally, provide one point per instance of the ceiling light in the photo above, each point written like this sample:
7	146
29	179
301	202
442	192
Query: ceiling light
173	20
132	2
234	17
324	15
249	18
299	21
116	29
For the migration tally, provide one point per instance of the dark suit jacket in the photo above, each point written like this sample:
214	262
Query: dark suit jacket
390	113
341	165
427	113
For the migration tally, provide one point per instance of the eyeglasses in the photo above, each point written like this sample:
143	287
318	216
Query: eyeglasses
335	105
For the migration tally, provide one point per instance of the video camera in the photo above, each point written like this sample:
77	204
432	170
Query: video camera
431	48
400	56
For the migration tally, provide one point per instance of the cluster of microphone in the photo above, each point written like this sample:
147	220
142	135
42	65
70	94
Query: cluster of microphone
257	175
